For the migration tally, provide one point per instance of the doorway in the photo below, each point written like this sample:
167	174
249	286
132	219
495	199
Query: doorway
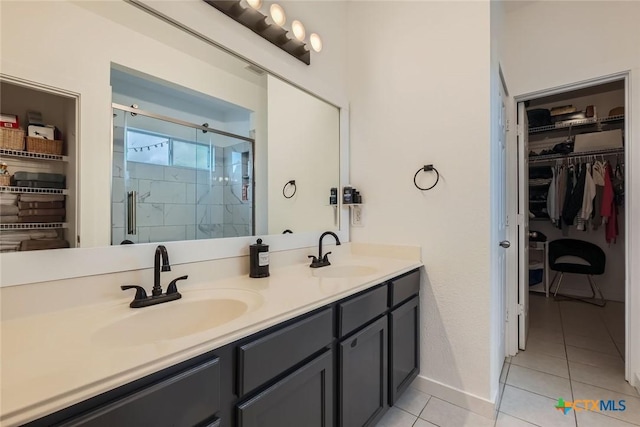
569	127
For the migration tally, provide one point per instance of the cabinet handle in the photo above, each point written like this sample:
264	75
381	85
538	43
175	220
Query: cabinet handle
354	343
131	212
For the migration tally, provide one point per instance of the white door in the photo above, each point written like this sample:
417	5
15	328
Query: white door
502	212
523	226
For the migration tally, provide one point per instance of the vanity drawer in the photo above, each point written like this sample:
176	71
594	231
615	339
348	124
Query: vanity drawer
357	311
265	358
404	287
187	398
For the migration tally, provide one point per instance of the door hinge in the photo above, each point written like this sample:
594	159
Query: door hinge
520	309
520	218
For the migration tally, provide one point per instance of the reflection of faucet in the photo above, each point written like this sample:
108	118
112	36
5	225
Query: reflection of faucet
157	297
323	261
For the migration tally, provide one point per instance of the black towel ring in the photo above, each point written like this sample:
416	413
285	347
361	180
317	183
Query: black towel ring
426	168
292	183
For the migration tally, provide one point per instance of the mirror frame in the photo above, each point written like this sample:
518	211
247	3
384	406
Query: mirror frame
59	264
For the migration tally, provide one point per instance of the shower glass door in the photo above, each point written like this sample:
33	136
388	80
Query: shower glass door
175	182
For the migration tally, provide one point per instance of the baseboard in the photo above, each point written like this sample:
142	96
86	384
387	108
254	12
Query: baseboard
458	397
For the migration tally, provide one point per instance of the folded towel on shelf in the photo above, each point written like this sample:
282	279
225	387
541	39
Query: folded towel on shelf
20	235
9	247
41	198
35	212
40	205
34	245
39	184
8	199
42	218
38	176
8	210
9	219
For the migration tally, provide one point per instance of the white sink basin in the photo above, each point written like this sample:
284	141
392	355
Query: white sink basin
197	311
343	271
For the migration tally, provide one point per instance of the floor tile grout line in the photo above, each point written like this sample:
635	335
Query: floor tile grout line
538	370
606	326
575	416
532	392
521	419
607	389
501	395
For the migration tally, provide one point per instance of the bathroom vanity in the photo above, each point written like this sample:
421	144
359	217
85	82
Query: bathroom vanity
338	349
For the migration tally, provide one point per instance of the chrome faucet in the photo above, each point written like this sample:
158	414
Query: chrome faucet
323	260
157	297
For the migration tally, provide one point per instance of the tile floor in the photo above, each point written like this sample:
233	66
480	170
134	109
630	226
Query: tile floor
574	351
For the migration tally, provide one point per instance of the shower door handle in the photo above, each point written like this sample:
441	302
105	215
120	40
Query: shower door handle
131	212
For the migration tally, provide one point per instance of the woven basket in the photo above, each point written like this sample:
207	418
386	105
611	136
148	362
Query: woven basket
44	146
12	139
5	180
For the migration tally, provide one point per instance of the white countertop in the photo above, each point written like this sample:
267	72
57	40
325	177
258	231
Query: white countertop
54	360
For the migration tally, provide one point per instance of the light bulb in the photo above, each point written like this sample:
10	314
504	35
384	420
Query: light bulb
277	14
298	30
256	4
316	42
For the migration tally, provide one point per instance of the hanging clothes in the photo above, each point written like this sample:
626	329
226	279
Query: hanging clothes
551	198
598	180
561	189
573	202
609	209
587	198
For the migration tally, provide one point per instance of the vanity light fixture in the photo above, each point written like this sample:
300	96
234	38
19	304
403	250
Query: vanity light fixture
257	22
316	42
298	30
256	4
277	14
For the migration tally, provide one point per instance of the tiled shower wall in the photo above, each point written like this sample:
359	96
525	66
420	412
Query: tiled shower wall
177	203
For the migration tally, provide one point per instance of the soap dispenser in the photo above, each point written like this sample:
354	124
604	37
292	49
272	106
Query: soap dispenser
258	260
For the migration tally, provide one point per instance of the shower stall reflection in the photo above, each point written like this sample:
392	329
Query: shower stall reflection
173	181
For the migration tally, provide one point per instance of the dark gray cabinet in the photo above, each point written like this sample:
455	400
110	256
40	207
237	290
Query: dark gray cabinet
187	399
344	364
262	359
404	347
302	398
363	376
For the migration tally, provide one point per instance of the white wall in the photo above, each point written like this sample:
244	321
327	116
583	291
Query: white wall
608	34
419	76
302	132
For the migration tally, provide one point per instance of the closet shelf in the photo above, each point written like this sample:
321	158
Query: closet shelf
33	156
34	226
32	190
548	157
584	122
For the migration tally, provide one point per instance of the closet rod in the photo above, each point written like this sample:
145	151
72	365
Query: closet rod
546	158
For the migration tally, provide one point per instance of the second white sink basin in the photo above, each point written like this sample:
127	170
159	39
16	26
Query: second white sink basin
343	271
197	311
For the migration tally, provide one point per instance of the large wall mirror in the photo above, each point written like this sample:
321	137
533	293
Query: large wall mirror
207	153
190	166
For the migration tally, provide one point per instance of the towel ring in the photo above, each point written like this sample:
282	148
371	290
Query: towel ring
293	184
426	168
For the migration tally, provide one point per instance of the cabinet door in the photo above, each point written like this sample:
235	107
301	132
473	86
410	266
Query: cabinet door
363	376
404	347
185	399
304	398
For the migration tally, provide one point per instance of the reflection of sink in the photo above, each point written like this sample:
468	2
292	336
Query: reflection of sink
343	271
197	311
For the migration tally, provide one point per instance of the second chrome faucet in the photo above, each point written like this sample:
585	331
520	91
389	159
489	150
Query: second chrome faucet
323	260
160	263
